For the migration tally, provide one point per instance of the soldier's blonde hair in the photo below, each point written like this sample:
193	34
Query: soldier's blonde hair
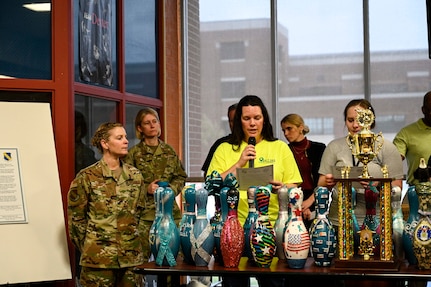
102	133
138	120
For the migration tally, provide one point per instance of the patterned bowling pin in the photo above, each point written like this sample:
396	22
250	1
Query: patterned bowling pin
410	225
201	235
167	235
262	235
232	235
322	233
158	194
213	184
296	240
249	221
280	223
187	221
422	232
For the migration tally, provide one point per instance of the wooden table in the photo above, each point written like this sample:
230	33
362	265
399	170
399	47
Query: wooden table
280	268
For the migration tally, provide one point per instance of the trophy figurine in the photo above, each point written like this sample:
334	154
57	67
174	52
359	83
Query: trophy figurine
365	145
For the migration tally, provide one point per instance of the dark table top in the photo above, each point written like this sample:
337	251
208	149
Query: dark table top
375	270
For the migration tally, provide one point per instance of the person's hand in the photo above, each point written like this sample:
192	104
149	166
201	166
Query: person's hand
276	185
366	184
307	203
153	186
306	214
329	180
248	154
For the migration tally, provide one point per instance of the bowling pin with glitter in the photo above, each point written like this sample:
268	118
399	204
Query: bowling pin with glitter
232	235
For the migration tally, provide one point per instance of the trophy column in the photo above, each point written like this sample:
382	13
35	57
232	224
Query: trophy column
386	253
345	228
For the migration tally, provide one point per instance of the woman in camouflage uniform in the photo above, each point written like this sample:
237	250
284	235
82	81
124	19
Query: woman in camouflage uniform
104	212
158	162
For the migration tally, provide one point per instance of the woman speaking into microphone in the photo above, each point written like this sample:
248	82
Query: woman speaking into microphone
241	151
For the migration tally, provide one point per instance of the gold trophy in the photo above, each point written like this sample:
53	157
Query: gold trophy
365	145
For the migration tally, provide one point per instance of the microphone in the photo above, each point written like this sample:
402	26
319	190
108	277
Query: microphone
251	140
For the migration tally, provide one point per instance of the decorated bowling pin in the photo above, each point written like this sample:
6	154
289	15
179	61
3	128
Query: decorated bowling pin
280	223
410	225
232	235
262	235
422	232
187	221
249	221
296	237
322	233
158	194
167	235
213	184
201	235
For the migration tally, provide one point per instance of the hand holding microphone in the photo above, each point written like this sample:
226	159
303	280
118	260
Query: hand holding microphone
252	141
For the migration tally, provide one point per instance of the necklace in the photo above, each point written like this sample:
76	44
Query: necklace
301	152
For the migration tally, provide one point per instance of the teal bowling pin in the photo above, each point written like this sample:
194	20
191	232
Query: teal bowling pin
201	235
167	235
187	221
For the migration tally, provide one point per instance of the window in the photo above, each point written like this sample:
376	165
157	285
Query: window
317	64
140	47
232	50
320	126
90	113
25	50
232	88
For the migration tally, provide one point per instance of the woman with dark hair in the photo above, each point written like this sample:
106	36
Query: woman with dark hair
239	132
252	120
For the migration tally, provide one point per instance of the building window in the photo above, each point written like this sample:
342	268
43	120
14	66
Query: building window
232	50
232	88
390	123
320	126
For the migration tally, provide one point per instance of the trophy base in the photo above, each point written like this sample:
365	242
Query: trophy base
357	263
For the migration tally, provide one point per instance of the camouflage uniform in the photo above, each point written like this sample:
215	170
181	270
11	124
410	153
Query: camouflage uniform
160	163
104	215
